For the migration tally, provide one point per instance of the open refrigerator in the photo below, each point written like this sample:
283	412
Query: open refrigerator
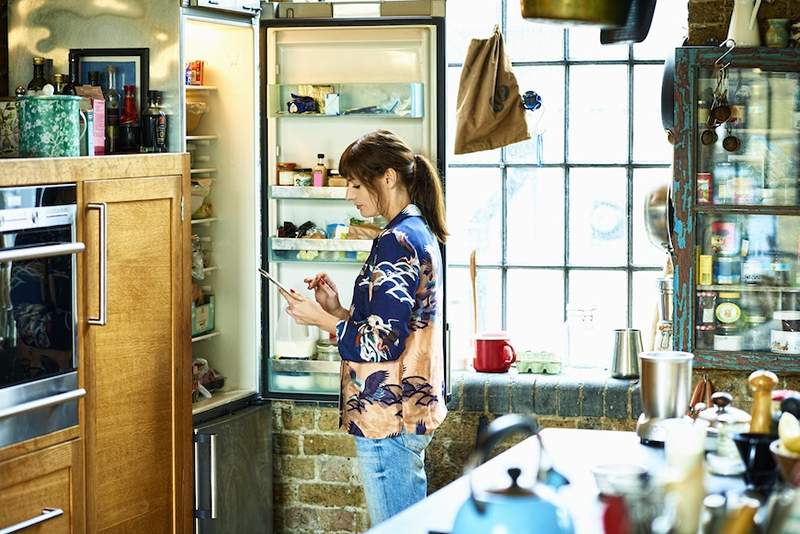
232	426
361	75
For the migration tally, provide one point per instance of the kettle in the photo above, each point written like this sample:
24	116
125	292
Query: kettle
515	508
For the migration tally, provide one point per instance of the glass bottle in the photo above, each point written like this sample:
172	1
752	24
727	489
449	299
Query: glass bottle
112	112
94	78
38	81
320	171
60	82
128	105
154	136
74	76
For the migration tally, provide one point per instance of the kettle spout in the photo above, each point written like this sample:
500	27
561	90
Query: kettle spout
554	479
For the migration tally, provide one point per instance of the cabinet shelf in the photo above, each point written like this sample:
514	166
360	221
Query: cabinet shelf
208	335
310	193
738	360
355	100
747	209
750	288
208	220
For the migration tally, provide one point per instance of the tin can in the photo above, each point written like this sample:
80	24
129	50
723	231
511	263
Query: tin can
704	188
705	270
727	270
725	237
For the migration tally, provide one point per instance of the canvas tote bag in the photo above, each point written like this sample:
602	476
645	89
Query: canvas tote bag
489	112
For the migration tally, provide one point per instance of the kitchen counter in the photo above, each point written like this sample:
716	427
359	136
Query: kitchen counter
573	452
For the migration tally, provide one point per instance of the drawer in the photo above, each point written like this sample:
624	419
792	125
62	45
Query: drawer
36	486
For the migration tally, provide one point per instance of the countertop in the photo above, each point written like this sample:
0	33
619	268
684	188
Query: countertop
573	452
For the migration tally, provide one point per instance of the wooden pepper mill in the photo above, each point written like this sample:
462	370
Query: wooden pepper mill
761	384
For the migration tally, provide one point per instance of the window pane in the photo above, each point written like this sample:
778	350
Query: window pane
486	156
597	217
646	253
645	302
547	120
667	31
467	21
459	308
598	114
536	309
649	139
608	292
535	216
474	215
584	43
531	41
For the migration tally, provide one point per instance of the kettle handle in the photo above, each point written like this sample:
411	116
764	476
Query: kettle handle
494	434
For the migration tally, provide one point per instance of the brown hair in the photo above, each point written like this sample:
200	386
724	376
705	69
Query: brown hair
371	155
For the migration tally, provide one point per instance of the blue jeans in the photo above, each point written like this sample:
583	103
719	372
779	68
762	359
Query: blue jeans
393	473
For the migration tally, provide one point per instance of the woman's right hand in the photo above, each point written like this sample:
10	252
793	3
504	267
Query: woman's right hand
325	293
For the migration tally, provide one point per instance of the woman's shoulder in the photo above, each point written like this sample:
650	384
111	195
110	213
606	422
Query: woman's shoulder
411	231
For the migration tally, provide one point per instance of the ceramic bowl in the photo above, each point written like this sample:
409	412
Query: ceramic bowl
788	463
618	479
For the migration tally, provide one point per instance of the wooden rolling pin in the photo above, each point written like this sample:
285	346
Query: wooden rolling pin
761	384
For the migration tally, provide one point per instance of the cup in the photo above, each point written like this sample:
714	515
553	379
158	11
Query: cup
625	358
493	353
760	471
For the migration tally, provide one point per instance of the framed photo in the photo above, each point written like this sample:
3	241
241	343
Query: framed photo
132	64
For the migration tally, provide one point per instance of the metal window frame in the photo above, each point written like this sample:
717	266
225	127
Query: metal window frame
629	165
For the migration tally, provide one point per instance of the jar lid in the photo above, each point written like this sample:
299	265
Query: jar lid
786	315
730	295
757	319
727	329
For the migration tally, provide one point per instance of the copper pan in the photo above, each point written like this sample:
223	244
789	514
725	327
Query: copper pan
606	13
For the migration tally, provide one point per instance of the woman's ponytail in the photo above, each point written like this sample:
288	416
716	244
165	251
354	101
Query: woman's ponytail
426	192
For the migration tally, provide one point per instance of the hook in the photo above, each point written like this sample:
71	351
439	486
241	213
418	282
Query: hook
531	100
731	44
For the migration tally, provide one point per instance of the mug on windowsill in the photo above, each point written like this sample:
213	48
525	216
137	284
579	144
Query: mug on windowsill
493	353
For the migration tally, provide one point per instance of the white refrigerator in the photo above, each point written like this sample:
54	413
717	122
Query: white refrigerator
363	74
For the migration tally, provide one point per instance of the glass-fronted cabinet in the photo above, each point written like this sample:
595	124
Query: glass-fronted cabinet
737	220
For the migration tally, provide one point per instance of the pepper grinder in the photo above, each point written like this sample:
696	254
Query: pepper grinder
761	384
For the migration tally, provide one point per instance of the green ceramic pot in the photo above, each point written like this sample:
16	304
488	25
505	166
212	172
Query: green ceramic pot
49	126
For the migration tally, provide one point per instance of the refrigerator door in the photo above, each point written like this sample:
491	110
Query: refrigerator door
233	473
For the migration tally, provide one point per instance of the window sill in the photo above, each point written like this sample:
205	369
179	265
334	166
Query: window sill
574	393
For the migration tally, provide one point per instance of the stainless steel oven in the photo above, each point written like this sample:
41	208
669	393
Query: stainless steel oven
38	311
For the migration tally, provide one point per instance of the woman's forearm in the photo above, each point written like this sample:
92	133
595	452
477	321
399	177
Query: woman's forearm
342	313
328	322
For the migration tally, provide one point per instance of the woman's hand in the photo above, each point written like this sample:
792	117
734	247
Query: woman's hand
309	312
326	294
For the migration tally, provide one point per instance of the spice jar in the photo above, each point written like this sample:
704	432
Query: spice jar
756	333
727	270
328	352
285	173
705	335
303	178
706	304
728	338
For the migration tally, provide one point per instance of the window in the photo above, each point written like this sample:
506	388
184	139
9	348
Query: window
559	218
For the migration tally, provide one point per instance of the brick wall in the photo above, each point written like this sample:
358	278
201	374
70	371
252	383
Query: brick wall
709	19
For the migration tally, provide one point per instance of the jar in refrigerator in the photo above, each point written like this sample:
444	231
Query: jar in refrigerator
727	270
728	338
302	177
728	311
704	339
706	305
285	173
756	333
725	237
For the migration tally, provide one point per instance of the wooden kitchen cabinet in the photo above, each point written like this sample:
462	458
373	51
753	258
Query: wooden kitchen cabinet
136	355
45	485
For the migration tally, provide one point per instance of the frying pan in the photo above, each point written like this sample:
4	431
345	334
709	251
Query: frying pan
606	13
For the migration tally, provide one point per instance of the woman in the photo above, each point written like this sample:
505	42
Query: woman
392	394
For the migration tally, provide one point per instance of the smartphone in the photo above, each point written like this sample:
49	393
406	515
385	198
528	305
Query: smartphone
274	280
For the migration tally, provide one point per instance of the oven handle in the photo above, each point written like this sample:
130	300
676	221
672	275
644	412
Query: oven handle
46	515
44	402
100	320
44	251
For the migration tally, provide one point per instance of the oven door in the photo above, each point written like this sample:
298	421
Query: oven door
38	313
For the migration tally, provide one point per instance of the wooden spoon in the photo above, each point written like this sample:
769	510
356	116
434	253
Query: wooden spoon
473	275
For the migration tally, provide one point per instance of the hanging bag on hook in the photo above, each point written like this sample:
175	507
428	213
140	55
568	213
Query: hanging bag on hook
489	113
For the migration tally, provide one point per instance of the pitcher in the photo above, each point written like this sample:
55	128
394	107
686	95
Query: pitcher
293	340
50	126
743	28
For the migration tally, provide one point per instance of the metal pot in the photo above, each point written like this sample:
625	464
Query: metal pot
606	13
658	216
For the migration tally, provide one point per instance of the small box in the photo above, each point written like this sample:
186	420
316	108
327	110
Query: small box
541	362
705	271
203	317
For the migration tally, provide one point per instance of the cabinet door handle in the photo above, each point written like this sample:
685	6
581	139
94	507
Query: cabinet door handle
46	515
213	475
52	400
100	320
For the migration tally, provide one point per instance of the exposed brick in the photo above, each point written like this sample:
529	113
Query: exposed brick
336	519
546	398
328	420
569	398
330	494
456	391
335	469
705	13
298	419
286	444
617	398
522	393
296	467
498	392
334	444
707	34
277	422
362	521
636	400
593	397
282	493
474	392
300	517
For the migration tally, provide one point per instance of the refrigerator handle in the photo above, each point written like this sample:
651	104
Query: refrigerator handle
213	475
196	482
199	512
448	362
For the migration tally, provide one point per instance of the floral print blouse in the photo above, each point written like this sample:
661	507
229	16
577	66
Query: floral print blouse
392	375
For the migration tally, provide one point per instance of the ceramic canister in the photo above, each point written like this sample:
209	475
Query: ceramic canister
9	128
49	126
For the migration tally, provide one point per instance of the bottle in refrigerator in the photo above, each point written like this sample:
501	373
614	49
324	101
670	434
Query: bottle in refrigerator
320	171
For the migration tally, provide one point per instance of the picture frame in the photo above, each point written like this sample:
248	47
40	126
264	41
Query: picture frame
133	67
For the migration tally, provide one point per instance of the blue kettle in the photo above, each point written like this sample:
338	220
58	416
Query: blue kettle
514	509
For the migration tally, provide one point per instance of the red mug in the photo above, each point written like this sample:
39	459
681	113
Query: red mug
493	353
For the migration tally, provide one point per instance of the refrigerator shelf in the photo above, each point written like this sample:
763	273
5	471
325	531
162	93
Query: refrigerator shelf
209	270
204	221
201	137
291	365
327	245
203	170
203	337
220	398
355	100
312	193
